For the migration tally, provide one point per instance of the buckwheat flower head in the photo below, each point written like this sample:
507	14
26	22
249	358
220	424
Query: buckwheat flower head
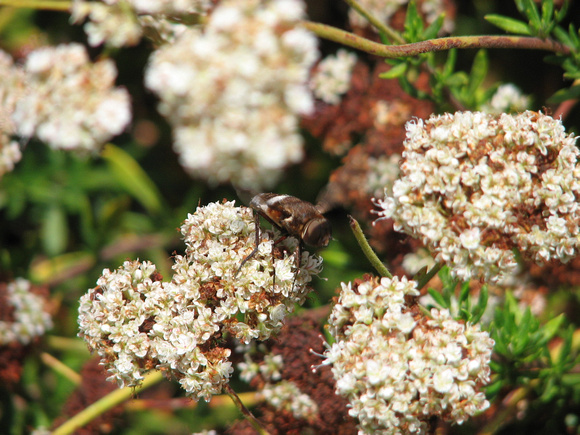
11	89
9	154
286	395
29	318
121	23
233	92
332	77
476	186
70	103
399	368
136	322
279	393
507	98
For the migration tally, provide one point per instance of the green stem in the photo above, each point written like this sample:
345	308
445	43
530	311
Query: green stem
381	27
427	277
508	410
245	411
54	5
366	248
61	368
432	45
104	404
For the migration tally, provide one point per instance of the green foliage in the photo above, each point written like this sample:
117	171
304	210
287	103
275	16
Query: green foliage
544	24
525	355
508	24
466	88
133	178
461	305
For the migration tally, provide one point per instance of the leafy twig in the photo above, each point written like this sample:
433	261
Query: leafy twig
439	44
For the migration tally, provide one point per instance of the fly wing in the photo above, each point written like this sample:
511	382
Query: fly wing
245	195
327	199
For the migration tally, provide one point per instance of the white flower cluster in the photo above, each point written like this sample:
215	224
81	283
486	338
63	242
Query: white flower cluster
332	77
234	91
507	98
9	154
136	322
382	174
398	368
31	319
287	396
68	102
11	88
475	186
280	394
121	23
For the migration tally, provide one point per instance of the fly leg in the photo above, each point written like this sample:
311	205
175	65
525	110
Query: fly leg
298	256
251	254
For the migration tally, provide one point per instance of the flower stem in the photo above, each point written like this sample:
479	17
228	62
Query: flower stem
423	280
61	368
366	248
432	45
53	5
381	27
104	404
253	420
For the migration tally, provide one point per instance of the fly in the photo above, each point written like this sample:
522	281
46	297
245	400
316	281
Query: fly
293	216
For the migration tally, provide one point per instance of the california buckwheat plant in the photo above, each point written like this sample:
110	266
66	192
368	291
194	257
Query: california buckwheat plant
235	112
137	322
474	187
442	161
400	368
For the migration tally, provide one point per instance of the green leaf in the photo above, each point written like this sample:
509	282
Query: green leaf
565	95
551	328
531	11
464	293
561	14
438	297
133	178
54	230
563	36
449	66
509	24
413	23
574	36
395	72
547	10
433	30
481	304
458	79
478	72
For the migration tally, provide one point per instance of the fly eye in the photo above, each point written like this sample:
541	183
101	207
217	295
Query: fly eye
317	233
